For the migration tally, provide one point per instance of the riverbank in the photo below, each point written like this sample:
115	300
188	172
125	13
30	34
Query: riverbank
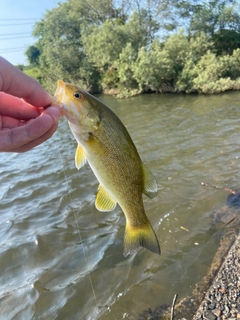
222	300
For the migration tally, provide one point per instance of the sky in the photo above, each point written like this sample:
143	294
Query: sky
17	19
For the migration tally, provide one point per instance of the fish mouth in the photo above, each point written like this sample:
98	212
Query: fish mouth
63	102
59	96
59	92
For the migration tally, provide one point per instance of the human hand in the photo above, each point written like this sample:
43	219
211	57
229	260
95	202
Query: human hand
26	122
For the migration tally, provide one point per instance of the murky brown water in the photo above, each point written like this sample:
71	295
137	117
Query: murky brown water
62	259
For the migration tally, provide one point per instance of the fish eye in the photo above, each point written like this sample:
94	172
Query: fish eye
77	95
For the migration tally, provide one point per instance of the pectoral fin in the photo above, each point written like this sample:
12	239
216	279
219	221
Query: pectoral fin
150	187
104	202
80	158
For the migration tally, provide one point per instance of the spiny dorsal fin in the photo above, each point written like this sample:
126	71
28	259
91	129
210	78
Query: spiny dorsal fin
104	202
80	158
150	187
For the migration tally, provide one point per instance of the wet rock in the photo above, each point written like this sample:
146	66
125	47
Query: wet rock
217	312
208	315
212	306
217	284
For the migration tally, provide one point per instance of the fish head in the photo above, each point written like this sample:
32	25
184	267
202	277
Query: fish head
77	106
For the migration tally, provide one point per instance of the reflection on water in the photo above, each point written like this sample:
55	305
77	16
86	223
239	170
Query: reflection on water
62	259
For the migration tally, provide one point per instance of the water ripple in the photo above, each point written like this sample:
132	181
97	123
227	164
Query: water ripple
62	259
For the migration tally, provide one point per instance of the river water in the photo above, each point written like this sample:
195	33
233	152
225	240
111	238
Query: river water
62	259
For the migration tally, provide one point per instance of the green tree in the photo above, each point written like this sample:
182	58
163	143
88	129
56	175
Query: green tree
198	46
104	43
158	67
34	72
226	41
221	20
59	41
33	54
141	28
153	68
112	47
101	10
208	16
125	69
212	73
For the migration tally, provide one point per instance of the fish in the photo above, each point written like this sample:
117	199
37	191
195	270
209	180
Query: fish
104	142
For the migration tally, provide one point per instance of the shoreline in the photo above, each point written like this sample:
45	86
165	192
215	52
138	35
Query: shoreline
132	93
216	295
222	299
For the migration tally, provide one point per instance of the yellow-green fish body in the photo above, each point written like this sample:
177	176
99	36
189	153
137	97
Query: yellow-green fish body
104	142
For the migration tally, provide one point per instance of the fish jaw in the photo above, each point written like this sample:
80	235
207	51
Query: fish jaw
59	94
59	91
72	109
62	100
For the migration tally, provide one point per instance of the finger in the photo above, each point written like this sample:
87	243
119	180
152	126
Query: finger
34	130
10	123
15	82
17	108
36	142
7	122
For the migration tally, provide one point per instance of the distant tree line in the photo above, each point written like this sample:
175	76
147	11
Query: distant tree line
133	46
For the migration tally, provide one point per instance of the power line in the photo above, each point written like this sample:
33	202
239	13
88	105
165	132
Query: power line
4	52
13	34
13	51
19	19
12	38
9	50
15	24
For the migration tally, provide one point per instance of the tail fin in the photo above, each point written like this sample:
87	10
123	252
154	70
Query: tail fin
140	236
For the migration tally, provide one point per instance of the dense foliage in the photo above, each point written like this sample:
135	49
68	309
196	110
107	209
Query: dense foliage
134	46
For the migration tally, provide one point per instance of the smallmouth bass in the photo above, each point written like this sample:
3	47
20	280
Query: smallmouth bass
106	145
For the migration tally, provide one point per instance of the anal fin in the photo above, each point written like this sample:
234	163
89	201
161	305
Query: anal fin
104	202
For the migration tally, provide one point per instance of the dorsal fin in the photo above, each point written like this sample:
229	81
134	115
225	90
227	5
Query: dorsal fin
150	187
104	202
80	158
